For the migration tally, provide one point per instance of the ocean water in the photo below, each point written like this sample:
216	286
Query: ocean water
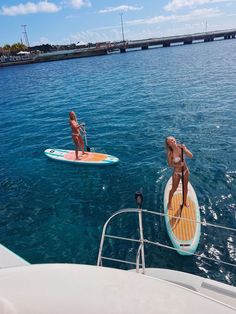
54	212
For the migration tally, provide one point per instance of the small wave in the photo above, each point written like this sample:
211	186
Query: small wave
14	186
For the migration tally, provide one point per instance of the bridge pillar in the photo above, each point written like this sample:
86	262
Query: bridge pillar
233	36
166	44
207	39
122	50
188	42
144	47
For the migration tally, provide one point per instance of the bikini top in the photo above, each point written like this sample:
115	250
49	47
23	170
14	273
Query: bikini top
176	159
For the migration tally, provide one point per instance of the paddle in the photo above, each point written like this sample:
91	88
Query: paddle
182	178
85	137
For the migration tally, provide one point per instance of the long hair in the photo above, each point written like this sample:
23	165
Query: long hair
75	118
169	150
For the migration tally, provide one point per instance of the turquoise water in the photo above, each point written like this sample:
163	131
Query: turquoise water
54	212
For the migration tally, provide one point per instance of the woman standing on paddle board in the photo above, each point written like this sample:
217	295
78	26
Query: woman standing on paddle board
76	136
174	151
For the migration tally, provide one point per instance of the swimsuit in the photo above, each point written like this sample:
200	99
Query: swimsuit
176	160
180	173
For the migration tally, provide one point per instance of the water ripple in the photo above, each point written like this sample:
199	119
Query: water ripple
130	102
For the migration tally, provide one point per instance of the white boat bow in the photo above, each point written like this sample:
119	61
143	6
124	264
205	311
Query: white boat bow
73	289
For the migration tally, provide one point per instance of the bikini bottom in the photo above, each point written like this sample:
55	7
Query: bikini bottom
180	173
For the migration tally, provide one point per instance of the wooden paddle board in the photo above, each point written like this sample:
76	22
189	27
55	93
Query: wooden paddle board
89	158
184	231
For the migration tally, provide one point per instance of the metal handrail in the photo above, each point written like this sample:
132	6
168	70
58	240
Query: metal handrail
138	258
127	210
119	260
142	241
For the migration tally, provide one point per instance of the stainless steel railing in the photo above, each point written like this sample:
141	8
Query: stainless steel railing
140	256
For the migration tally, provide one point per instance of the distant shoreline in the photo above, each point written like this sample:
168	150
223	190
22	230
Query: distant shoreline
122	47
57	56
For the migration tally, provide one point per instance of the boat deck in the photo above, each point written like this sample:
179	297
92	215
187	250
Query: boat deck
10	259
69	288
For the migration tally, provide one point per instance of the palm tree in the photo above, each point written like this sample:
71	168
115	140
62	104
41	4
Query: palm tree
15	48
6	49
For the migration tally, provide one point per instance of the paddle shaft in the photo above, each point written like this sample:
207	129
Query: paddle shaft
88	148
182	178
85	138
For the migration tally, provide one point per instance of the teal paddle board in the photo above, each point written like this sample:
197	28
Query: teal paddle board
184	231
89	158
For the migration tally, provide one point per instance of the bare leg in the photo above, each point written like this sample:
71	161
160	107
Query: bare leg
81	143
76	154
82	146
77	147
77	144
77	151
175	183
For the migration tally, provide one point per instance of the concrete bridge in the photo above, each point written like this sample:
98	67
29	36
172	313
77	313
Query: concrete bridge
122	47
173	40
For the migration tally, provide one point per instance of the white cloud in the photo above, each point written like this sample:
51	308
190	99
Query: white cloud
193	15
121	8
77	4
149	27
43	41
201	13
175	5
29	8
92	36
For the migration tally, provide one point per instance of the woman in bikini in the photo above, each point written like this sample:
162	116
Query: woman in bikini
76	136
174	152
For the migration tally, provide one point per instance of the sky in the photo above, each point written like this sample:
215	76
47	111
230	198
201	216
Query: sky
59	22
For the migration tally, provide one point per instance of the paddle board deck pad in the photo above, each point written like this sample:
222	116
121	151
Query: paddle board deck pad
184	231
89	158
